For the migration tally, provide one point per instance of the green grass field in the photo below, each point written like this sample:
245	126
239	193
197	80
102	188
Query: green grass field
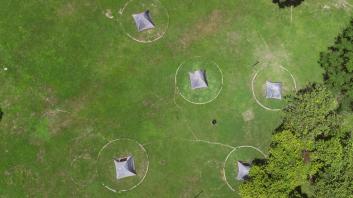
75	81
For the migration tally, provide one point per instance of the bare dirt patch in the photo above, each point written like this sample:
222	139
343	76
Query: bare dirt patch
274	52
15	176
41	155
342	4
233	37
162	162
61	115
248	115
189	190
274	55
67	9
108	13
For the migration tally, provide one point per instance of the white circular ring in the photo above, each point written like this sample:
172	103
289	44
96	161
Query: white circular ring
225	161
143	178
198	103
253	90
121	12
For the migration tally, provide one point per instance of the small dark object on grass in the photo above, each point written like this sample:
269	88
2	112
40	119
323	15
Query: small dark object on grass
257	62
287	3
198	194
214	122
1	114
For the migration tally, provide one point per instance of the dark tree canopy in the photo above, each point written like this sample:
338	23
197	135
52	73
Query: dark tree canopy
310	150
311	113
287	3
337	62
283	173
311	153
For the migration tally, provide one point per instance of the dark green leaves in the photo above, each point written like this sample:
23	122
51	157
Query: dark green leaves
309	151
311	113
337	62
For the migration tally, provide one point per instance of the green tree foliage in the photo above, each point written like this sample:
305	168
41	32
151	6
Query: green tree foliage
336	178
312	126
311	113
284	170
337	62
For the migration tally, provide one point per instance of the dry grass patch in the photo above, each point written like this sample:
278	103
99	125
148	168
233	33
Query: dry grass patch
274	55
202	28
67	9
61	116
248	115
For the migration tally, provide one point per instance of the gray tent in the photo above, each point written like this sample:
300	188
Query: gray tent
273	90
124	167
198	79
143	21
243	171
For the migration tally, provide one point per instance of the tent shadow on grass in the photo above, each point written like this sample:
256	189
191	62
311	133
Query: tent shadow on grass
258	161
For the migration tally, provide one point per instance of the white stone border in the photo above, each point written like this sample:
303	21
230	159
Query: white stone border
121	12
143	178
198	103
229	154
253	90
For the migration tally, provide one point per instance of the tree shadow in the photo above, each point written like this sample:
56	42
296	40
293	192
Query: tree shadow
1	114
298	193
287	3
259	162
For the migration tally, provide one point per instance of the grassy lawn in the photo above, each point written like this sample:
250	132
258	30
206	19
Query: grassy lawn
76	81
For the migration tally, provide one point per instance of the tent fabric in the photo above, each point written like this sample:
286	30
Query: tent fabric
143	21
243	170
198	79
124	167
273	90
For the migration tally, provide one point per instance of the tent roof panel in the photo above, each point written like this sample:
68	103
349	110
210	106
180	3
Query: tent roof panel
143	21
198	79
273	90
243	170
124	167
